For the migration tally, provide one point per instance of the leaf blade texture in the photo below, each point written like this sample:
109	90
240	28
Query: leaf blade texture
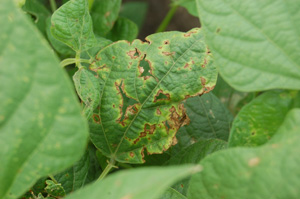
255	49
42	130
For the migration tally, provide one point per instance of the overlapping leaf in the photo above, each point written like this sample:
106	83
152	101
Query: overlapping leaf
41	129
258	121
269	171
256	43
143	84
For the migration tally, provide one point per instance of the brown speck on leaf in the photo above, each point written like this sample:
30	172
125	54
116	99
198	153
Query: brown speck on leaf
174	141
168	53
186	65
107	14
96	118
132	54
166	42
131	154
253	162
188	34
218	30
181	185
160	47
203	81
141	70
158	112
113	57
204	63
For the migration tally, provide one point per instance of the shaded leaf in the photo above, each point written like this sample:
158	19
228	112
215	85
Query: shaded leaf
172	194
42	131
72	25
249	42
258	121
124	29
190	5
254	172
135	11
142	87
146	183
104	14
208	119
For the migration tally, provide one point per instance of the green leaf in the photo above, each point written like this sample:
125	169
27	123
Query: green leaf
42	130
124	29
172	194
190	5
88	89
254	172
72	25
55	190
193	154
104	14
146	183
39	12
230	97
254	47
258	121
135	11
59	46
208	119
143	85
81	173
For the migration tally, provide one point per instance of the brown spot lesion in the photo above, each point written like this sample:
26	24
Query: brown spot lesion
148	130
133	54
128	105
166	42
158	112
146	69
168	53
96	118
160	96
188	34
131	154
206	89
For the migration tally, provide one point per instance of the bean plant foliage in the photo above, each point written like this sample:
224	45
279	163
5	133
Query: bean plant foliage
89	111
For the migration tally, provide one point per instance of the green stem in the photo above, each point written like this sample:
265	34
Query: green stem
69	61
107	169
162	27
53	179
53	5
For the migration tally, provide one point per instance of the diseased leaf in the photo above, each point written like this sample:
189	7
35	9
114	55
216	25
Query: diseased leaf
269	171
124	29
255	43
135	11
54	189
145	183
88	89
39	12
193	154
42	131
172	194
72	25
209	119
142	87
104	14
258	121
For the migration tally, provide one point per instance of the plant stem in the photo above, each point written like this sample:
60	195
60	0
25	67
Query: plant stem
69	61
162	27
107	169
53	179
53	5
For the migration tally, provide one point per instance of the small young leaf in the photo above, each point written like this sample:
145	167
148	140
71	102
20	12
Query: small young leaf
55	190
145	183
143	85
42	130
135	11
104	14
124	29
269	171
254	47
72	25
257	122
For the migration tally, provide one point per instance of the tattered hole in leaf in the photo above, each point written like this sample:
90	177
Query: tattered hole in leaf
160	96
145	69
128	104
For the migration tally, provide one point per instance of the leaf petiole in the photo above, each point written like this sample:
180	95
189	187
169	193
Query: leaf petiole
69	61
53	5
110	165
162	27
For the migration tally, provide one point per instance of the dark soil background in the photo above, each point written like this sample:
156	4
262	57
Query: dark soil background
157	10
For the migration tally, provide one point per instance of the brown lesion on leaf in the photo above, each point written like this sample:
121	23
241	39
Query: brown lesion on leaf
160	47
128	105
148	130
160	96
131	154
96	118
146	69
166	42
107	14
98	68
168	53
158	112
178	119
188	34
204	63
206	89
218	30
133	54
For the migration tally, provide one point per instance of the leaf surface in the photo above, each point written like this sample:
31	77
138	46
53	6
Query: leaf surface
142	87
124	29
135	11
259	120
255	43
172	194
42	130
72	25
104	14
254	172
146	183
